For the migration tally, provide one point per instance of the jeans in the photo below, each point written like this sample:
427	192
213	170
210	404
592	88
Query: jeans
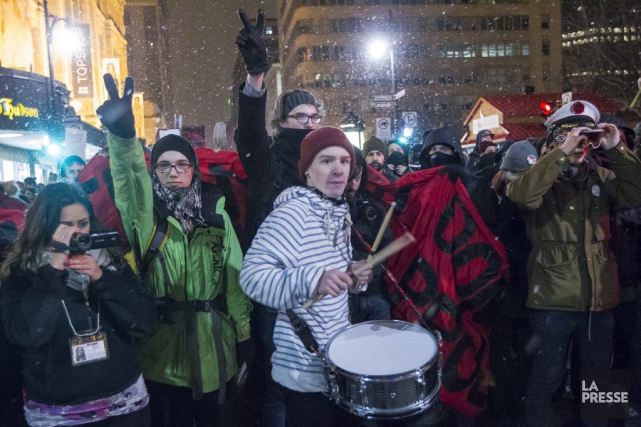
364	307
552	331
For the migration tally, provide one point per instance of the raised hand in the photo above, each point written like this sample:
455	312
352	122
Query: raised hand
611	137
251	44
116	114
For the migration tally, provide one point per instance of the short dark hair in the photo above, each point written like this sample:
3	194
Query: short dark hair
68	161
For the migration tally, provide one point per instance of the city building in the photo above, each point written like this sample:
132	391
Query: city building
446	54
86	39
147	53
601	43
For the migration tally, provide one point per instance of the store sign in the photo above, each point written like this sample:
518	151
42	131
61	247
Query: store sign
7	108
81	62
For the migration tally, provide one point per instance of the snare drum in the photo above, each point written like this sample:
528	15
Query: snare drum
383	369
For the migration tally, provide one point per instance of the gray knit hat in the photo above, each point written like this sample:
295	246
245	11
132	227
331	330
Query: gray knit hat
519	157
295	98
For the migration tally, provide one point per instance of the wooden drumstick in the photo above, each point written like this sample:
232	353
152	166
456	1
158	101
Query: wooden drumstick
381	230
389	250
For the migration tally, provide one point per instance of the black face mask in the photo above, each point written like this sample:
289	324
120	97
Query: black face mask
442	159
293	135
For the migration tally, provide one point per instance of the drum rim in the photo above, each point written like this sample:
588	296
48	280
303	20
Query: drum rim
405	374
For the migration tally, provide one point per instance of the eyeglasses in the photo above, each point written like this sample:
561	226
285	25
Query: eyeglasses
165	168
303	118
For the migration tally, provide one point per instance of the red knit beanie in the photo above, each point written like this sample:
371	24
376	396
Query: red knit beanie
320	139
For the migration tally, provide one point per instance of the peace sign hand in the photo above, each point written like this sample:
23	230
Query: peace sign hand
251	44
116	114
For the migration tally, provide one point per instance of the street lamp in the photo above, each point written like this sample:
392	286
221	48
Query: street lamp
50	23
377	50
354	129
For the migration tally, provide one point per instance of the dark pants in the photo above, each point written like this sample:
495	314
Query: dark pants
627	344
315	410
173	406
140	418
552	331
273	401
364	307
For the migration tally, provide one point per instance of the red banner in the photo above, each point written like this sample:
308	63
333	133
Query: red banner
455	269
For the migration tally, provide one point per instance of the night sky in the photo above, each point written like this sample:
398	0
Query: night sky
202	51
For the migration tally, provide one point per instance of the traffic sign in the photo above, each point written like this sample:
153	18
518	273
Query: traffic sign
400	94
384	105
383	128
410	118
383	98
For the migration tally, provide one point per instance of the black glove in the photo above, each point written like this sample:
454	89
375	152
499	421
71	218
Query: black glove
116	114
252	45
455	172
245	352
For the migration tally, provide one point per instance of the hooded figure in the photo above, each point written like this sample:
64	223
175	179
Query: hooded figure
483	138
445	137
442	147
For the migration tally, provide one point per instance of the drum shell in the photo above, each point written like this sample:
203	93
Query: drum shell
385	396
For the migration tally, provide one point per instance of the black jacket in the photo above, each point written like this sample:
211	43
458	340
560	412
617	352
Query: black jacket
367	216
271	164
35	320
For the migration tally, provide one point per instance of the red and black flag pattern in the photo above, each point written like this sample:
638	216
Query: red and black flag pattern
455	269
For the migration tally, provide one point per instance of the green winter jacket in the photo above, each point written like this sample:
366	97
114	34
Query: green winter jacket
571	266
199	268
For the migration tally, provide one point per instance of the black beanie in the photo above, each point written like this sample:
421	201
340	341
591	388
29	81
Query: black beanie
174	143
295	98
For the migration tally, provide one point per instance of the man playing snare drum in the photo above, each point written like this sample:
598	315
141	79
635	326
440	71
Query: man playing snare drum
301	251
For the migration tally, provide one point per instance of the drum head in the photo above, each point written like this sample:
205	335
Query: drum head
381	347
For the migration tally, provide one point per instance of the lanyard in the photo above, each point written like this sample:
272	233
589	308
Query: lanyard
88	317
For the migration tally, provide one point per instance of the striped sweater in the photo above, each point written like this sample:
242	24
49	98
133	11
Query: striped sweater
302	238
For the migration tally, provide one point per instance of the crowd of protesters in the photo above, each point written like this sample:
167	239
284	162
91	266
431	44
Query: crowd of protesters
195	320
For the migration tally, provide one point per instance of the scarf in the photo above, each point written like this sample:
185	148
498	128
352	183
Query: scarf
183	203
77	281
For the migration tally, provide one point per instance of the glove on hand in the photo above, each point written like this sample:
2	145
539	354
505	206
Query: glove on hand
251	44
245	352
116	114
454	172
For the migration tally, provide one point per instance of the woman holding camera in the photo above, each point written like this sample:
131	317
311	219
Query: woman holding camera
190	361
76	316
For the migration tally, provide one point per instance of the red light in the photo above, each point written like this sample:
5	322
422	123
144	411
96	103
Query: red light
546	108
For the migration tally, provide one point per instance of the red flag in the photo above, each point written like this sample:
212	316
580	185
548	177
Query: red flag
456	263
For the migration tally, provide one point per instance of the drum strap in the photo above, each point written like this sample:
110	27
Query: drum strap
304	333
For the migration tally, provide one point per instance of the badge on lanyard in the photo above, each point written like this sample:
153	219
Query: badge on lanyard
87	346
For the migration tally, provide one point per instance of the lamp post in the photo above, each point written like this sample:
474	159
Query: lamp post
377	50
50	23
354	129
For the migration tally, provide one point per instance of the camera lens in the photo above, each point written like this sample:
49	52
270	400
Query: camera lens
370	213
81	242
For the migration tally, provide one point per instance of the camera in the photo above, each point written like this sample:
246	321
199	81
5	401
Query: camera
81	243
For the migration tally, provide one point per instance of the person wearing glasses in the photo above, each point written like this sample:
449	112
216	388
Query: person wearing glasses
573	285
190	362
271	164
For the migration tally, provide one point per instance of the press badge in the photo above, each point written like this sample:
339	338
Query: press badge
88	348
